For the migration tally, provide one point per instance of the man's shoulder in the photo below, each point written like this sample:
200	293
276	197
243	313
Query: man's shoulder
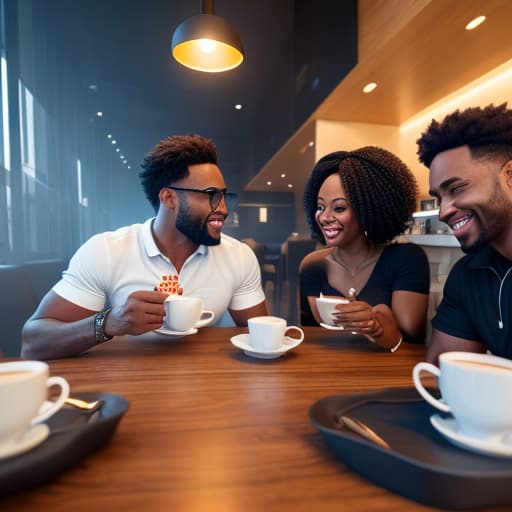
120	234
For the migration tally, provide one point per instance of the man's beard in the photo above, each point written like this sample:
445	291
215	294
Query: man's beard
496	214
195	229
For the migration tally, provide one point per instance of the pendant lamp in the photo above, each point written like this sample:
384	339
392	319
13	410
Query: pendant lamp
207	42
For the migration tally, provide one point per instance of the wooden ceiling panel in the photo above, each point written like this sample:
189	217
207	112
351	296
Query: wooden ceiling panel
426	60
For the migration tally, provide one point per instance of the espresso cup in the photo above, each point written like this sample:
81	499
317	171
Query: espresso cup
327	307
476	389
184	313
266	333
23	390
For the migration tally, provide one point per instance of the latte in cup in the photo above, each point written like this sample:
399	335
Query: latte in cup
6	376
266	333
476	389
23	390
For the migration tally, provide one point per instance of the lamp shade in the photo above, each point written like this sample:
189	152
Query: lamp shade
207	42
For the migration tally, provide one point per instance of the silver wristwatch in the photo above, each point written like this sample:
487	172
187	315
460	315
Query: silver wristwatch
99	322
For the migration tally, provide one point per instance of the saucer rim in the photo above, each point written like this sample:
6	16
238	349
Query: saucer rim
168	332
271	354
33	437
440	424
332	327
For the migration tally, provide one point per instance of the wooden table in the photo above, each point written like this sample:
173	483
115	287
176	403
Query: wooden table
210	429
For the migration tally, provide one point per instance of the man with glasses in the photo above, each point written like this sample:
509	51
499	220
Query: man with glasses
117	282
470	158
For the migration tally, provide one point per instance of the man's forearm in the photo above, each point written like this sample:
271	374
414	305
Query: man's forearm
45	338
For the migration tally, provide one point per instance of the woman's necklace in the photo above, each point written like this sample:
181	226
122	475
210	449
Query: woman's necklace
370	259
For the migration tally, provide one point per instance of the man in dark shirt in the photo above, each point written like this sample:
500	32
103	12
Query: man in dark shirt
470	159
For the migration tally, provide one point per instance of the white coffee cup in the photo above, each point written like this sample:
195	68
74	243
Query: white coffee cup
23	390
184	313
327	307
476	389
266	333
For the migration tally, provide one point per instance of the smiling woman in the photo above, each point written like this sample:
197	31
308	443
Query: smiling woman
356	202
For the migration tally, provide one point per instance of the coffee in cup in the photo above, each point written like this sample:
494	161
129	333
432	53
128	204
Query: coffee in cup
23	391
184	313
266	333
476	389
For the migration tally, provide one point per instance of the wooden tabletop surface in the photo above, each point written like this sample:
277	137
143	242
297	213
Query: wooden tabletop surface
211	429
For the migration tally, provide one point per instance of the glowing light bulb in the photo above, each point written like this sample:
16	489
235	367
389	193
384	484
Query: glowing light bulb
207	45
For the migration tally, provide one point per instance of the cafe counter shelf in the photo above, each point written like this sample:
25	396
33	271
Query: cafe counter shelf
444	240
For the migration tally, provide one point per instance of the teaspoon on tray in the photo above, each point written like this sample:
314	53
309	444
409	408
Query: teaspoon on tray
83	405
363	430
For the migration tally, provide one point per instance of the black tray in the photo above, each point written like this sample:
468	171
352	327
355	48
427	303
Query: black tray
74	434
421	464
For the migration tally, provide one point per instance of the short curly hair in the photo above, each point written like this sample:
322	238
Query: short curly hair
486	131
168	162
381	189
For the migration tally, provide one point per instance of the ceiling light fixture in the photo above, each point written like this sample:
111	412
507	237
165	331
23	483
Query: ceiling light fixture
475	22
238	106
206	42
369	87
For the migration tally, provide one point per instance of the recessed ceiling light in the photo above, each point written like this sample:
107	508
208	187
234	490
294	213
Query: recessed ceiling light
109	136
117	150
475	22
129	167
114	141
369	87
269	183
283	175
238	106
290	185
311	144
99	114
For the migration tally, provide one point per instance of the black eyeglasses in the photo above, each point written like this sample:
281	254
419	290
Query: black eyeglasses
215	195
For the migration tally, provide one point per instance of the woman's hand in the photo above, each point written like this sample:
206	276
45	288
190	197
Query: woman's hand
358	316
377	322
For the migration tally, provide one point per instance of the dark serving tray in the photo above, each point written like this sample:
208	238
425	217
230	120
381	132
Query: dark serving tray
420	464
74	434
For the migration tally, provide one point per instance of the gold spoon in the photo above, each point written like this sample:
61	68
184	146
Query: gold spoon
82	404
363	430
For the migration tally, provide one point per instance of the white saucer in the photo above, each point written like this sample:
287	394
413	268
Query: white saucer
332	327
448	428
32	437
242	342
168	332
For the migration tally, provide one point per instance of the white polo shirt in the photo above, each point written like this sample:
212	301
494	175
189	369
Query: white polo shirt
111	265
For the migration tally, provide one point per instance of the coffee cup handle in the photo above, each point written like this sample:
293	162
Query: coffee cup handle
206	317
64	393
295	328
416	377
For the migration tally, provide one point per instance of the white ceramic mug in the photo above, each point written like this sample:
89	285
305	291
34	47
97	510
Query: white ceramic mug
476	389
184	313
23	390
266	333
327	307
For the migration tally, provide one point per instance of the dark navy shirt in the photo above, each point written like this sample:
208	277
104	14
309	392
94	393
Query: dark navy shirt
399	267
477	296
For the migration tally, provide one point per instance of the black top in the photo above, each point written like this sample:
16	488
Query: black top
477	299
399	267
